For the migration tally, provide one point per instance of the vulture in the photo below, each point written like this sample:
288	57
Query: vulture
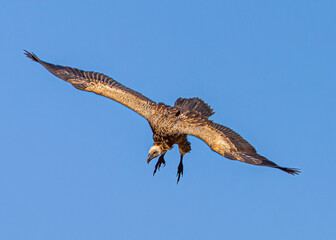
170	125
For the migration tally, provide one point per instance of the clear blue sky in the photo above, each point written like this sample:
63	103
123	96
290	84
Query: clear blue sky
73	164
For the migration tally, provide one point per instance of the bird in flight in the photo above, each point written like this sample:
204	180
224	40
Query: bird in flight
170	125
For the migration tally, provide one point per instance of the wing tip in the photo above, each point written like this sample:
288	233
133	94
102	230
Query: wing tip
31	55
292	171
257	159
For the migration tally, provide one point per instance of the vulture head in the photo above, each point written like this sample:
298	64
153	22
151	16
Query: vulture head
154	152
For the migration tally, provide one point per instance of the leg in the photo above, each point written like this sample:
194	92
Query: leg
184	147
179	170
159	163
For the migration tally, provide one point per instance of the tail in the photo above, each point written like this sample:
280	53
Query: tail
194	104
259	160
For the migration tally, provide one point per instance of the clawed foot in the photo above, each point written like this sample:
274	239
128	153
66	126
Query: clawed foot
179	170
159	163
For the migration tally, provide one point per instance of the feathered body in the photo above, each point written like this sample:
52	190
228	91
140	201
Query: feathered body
170	125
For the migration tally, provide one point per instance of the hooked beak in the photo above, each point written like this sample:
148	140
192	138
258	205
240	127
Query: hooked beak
149	158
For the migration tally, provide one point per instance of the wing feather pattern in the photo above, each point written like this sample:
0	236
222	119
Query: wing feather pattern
101	85
226	142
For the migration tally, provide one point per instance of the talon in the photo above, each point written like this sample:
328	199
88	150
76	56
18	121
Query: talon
179	170
159	163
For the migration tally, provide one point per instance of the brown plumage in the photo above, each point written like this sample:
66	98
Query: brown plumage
170	125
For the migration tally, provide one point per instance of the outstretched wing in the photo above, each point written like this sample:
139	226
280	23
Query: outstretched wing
100	84
224	141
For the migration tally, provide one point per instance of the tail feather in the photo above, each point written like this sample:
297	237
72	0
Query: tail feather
194	104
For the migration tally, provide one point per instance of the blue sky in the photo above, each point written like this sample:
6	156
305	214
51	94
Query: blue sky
73	164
